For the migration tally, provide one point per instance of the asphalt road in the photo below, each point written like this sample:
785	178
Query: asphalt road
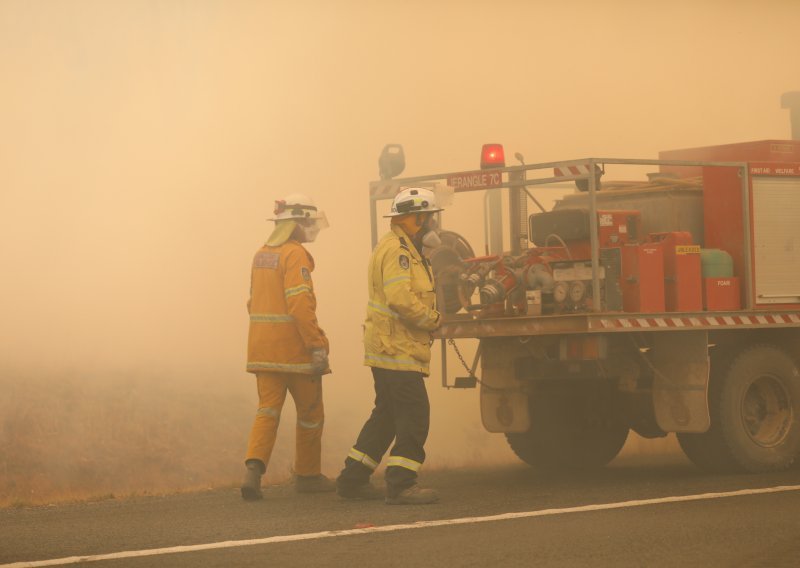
533	520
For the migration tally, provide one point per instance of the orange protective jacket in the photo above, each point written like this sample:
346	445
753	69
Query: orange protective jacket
282	308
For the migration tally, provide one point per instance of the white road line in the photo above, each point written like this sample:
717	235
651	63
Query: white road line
392	528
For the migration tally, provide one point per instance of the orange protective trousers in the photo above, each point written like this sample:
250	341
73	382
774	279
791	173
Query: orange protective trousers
306	390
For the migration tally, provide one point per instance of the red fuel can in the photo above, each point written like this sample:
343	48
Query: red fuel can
642	280
682	271
721	294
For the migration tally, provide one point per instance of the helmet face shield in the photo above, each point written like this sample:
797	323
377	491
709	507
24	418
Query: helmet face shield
311	226
322	220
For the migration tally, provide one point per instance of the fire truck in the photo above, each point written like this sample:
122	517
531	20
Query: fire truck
669	302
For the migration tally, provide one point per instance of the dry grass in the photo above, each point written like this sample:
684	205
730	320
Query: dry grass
77	438
72	439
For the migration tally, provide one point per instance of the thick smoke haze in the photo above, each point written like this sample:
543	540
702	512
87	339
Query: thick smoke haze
142	145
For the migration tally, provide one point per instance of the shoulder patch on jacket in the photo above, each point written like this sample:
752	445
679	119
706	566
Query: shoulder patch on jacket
266	260
305	273
404	263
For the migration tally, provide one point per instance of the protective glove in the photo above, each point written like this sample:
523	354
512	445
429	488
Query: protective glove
437	322
319	360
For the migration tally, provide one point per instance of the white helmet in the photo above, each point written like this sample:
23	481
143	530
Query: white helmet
414	200
296	206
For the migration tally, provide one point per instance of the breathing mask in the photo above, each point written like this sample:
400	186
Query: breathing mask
430	237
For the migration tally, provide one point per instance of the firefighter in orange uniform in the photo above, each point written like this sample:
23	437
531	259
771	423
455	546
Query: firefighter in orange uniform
287	349
401	313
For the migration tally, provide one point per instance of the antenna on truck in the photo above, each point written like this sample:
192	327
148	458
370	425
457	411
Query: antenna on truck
791	100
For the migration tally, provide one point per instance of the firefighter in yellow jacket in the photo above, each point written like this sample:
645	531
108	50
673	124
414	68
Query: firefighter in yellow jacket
401	313
287	349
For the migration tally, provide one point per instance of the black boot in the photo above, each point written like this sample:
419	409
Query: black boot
251	486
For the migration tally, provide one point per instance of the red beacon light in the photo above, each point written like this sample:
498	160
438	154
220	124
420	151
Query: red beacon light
492	156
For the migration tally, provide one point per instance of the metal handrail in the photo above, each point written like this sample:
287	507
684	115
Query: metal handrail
591	178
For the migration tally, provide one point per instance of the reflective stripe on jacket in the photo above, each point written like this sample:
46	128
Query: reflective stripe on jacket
401	311
282	307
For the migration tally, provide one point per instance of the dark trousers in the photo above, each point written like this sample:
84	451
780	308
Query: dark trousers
402	414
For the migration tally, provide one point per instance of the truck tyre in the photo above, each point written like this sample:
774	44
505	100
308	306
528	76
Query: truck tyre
755	415
564	437
759	409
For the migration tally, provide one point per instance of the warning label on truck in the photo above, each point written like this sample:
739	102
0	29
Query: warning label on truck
475	180
775	169
687	249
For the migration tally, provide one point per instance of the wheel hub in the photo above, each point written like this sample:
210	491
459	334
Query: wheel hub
766	412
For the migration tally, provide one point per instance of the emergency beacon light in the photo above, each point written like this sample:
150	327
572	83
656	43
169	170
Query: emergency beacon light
492	156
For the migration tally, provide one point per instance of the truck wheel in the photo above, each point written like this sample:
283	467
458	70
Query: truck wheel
564	437
755	415
759	409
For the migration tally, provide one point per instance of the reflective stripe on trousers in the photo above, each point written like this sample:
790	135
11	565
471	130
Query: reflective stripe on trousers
269	411
398	461
361	457
309	425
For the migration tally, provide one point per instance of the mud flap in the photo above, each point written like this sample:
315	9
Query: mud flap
504	400
680	388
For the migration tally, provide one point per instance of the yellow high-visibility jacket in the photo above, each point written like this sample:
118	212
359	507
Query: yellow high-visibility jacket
282	307
401	311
